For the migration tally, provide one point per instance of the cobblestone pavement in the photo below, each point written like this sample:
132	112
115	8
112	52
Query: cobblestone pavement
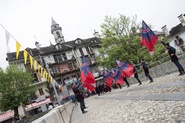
112	107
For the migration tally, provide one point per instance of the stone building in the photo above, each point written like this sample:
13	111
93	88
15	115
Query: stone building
62	59
178	30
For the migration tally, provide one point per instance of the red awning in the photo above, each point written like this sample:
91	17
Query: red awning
10	114
7	115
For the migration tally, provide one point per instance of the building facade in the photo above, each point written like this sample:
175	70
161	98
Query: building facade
61	60
178	30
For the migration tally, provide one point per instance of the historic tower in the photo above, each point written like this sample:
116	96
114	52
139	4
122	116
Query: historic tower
56	30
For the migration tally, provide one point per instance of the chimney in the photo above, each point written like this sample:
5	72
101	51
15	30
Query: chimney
37	44
182	20
165	30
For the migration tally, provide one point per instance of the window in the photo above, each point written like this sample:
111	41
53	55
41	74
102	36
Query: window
58	34
55	69
93	41
91	49
78	41
57	58
41	92
81	52
64	56
60	57
35	77
28	67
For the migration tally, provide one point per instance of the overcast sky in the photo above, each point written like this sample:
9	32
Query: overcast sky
25	19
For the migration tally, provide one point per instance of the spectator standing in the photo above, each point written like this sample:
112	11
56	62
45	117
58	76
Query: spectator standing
180	43
79	96
174	58
146	70
136	75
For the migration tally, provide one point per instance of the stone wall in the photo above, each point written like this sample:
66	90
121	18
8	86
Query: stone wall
60	114
159	70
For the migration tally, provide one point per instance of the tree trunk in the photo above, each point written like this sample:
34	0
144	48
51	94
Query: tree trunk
16	114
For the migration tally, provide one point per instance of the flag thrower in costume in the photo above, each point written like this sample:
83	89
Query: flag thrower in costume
117	76
126	68
87	77
107	78
148	38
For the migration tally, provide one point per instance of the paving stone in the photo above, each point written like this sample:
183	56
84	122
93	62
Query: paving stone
159	102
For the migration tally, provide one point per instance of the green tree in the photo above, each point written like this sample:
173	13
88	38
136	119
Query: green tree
121	41
50	90
15	88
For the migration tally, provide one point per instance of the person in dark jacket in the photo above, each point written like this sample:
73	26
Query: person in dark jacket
126	81
79	96
136	75
97	89
146	70
174	58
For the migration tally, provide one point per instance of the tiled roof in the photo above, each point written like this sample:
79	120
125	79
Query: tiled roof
11	56
52	48
175	30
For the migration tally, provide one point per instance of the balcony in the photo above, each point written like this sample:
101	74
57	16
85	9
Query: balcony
63	69
62	62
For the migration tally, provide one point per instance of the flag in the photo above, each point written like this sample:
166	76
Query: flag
41	72
25	56
44	74
7	34
107	78
87	77
126	68
39	69
31	61
51	79
117	76
148	38
17	49
34	65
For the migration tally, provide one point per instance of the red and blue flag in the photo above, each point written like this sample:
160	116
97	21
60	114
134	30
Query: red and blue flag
117	76
107	78
148	38
87	77
126	68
